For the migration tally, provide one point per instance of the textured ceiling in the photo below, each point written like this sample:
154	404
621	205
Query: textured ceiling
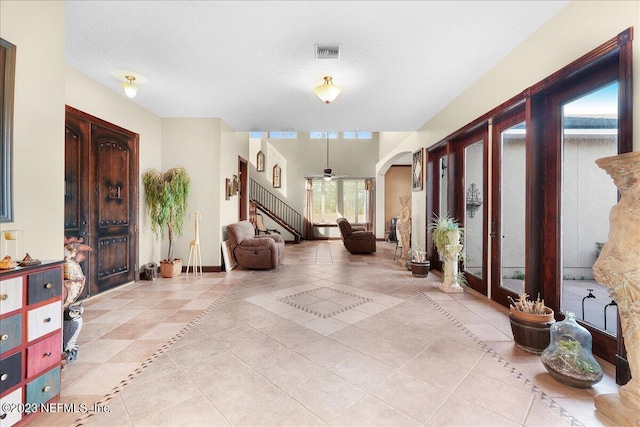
253	63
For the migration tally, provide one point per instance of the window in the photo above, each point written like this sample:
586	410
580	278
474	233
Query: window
283	135
345	198
323	135
361	134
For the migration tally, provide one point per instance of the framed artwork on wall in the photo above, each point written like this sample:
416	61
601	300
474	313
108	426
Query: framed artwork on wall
260	162
417	171
276	176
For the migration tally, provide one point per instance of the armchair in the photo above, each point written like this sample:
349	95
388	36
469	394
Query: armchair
355	239
255	252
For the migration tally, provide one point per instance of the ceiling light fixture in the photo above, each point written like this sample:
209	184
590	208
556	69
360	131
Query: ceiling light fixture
130	88
327	91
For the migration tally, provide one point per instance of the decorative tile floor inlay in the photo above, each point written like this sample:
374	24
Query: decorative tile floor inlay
325	302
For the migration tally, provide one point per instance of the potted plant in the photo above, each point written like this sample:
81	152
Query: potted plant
448	237
530	323
419	265
166	196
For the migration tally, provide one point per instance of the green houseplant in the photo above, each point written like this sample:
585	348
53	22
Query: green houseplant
166	196
448	237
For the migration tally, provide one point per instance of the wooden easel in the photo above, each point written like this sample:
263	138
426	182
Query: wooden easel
194	249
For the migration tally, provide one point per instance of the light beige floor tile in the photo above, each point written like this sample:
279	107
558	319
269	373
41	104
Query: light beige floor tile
283	411
459	412
503	399
325	326
418	399
102	379
371	411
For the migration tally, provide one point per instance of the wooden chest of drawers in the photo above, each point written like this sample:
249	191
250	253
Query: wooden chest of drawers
30	339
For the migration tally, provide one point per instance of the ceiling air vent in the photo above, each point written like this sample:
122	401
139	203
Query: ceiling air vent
324	51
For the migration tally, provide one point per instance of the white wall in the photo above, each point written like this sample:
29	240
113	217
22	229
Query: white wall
208	149
38	31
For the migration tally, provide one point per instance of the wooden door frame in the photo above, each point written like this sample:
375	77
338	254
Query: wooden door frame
457	192
135	195
243	200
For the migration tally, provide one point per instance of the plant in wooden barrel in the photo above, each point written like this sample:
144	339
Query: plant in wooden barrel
530	323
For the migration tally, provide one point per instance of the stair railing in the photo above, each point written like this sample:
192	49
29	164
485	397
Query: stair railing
275	206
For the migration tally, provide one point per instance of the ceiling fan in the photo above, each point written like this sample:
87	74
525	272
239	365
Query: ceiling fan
328	174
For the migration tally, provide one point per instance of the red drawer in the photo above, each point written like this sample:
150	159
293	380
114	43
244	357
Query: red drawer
44	354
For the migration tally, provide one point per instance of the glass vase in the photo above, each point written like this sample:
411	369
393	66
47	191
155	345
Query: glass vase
568	357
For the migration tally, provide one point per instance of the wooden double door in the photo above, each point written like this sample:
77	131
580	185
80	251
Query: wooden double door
101	198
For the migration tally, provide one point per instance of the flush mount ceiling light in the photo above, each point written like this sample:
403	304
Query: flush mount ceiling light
130	88
327	91
130	81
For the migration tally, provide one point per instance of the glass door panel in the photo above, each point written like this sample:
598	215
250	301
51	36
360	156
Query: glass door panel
589	132
474	213
513	193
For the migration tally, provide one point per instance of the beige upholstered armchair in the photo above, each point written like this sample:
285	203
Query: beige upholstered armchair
256	252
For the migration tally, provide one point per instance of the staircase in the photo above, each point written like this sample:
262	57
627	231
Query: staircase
273	207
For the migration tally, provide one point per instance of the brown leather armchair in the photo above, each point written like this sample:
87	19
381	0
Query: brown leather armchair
255	252
355	239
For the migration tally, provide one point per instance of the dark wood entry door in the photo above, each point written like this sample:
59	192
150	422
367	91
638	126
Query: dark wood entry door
101	198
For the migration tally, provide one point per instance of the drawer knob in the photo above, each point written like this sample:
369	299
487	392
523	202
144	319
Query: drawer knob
4	297
47	354
4	337
47	320
46	389
48	286
4	377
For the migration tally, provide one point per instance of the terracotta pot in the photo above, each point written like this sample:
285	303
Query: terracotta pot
170	269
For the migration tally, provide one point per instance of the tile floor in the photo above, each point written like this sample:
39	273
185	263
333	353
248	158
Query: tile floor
329	338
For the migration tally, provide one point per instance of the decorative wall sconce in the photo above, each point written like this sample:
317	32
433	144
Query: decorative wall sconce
276	176
260	162
474	201
232	186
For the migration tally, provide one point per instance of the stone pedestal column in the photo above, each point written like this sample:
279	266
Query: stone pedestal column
450	279
618	267
403	228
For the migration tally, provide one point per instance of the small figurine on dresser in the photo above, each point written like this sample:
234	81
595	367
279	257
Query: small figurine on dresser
74	282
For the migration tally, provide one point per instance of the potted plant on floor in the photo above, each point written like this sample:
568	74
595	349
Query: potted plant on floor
166	196
448	237
530	323
419	265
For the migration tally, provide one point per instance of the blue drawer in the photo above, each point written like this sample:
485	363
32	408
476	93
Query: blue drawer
10	332
43	388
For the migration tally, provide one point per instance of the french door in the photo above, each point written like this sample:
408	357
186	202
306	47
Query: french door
469	156
509	211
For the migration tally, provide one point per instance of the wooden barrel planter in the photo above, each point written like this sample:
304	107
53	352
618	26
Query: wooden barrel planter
420	269
531	332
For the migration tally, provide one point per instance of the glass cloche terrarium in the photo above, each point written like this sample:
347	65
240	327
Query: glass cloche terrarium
568	357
